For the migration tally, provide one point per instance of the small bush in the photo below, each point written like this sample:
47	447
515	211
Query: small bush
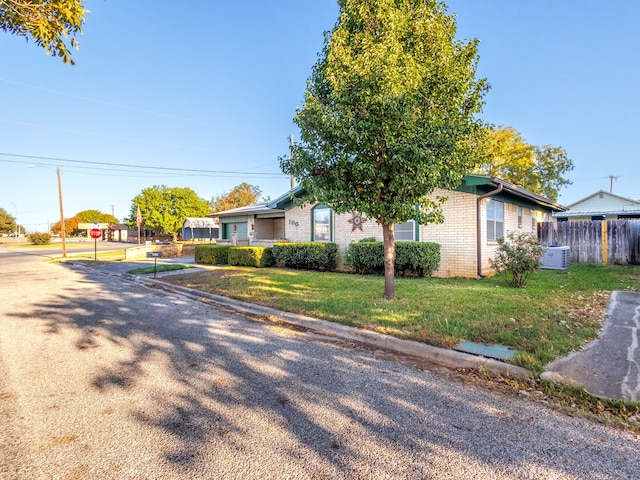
366	257
251	257
307	255
517	257
212	254
419	258
40	238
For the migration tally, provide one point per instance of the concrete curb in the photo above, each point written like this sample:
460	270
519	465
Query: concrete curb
439	356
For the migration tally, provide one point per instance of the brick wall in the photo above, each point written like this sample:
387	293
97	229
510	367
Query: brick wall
456	236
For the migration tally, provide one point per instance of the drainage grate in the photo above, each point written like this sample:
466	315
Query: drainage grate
497	352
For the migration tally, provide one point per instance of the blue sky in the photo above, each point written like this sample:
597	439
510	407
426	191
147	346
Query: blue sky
213	86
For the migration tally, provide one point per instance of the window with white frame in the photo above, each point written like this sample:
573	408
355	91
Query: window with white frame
495	220
321	219
405	232
534	221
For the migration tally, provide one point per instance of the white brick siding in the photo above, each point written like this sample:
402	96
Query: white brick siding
456	236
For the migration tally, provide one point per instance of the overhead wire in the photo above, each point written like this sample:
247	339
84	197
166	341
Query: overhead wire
132	168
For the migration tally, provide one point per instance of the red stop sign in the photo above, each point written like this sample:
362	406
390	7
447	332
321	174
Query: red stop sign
95	233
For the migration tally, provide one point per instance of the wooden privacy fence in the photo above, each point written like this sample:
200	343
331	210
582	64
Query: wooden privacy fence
596	241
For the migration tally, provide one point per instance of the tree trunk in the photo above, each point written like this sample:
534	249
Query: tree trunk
389	261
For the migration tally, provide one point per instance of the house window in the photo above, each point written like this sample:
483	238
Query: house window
405	232
534	222
495	220
321	224
519	217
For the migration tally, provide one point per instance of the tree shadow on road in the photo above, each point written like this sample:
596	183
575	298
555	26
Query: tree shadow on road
253	399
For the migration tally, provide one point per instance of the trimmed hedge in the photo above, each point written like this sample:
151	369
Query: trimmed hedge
251	257
420	258
238	256
321	256
212	254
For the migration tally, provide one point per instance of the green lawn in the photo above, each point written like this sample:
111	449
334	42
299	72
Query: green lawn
557	312
159	268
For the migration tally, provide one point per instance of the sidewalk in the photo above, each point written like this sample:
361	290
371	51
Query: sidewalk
609	366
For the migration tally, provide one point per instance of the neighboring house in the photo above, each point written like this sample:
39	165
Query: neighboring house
600	206
256	225
200	228
476	214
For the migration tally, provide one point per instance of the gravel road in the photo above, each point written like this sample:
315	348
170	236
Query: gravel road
102	378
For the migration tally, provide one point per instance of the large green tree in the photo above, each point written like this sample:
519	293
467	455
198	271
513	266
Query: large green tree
165	208
240	196
388	114
504	153
7	222
48	23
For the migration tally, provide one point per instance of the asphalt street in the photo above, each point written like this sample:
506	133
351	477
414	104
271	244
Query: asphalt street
105	378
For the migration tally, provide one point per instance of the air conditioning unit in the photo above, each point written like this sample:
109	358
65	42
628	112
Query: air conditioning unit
556	258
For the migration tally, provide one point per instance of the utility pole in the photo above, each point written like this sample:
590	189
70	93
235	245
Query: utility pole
611	179
62	227
291	153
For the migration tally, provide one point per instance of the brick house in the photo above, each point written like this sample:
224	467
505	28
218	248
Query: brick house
477	213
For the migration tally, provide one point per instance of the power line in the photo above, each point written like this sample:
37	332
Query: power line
141	168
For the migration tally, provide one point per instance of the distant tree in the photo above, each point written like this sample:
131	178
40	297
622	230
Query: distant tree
70	226
85	216
505	154
47	23
388	114
240	196
165	208
95	216
7	222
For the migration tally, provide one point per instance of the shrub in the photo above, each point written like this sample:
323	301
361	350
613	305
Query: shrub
307	255
420	258
40	238
251	257
212	254
366	257
517	257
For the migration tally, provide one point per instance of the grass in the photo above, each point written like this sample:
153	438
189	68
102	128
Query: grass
159	268
556	313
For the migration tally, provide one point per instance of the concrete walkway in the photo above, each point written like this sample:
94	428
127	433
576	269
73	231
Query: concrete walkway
608	367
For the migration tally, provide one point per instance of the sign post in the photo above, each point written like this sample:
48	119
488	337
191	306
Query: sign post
95	233
155	256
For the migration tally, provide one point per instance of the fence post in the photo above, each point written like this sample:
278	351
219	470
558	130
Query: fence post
605	245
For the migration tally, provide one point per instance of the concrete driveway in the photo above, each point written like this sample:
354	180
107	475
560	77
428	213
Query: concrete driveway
610	366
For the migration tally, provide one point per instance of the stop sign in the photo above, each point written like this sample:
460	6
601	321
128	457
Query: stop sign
95	233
